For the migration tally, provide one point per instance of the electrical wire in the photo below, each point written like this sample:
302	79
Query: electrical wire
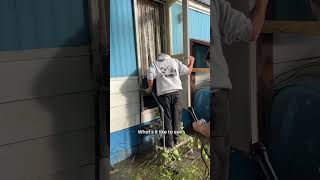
298	60
295	71
297	68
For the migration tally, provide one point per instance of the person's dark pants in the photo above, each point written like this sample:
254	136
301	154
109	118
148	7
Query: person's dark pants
221	135
171	103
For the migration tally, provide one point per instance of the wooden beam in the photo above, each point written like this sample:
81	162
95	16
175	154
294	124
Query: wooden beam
97	9
168	40
201	70
205	43
298	27
186	99
265	82
171	2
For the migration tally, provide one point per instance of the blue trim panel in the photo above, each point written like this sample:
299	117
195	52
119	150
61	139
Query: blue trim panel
123	59
199	27
34	24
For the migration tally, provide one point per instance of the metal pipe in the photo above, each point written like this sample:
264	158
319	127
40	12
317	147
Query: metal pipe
162	117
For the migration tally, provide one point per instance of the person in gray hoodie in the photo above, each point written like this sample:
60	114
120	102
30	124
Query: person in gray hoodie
227	26
167	71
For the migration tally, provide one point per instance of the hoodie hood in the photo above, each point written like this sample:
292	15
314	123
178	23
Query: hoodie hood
163	57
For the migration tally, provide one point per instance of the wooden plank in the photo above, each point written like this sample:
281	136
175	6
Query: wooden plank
140	74
197	6
171	2
265	81
124	99
45	156
121	112
201	70
30	79
81	173
97	76
298	27
186	93
253	92
24	120
192	86
117	124
123	85
168	31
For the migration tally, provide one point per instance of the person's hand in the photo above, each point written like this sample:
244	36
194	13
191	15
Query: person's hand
203	129
148	90
191	58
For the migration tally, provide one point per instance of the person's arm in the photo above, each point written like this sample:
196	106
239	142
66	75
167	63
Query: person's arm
190	65
183	69
150	85
151	75
258	18
236	26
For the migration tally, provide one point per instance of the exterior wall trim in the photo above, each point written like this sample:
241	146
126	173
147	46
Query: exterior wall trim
197	7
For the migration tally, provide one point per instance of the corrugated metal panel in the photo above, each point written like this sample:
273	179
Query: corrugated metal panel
199	27
32	24
123	60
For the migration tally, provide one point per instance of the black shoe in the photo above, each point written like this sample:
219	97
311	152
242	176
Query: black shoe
176	139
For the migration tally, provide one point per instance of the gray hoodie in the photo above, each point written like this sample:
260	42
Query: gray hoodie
167	72
227	25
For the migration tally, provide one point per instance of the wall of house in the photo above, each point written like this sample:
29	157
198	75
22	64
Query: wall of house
124	88
47	113
199	27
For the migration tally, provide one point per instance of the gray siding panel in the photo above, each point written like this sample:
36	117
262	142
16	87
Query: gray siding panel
30	79
47	115
23	120
40	157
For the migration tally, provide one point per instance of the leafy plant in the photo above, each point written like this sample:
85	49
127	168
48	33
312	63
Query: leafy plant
173	165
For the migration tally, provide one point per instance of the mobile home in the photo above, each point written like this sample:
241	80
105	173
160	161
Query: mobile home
139	29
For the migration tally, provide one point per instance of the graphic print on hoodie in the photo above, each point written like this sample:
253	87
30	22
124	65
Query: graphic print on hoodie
167	72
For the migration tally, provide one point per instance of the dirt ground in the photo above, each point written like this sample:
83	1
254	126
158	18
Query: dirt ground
126	170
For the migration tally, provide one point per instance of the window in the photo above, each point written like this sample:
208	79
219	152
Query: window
151	28
150	32
200	76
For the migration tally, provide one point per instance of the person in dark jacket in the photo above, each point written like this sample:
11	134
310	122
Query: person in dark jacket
227	26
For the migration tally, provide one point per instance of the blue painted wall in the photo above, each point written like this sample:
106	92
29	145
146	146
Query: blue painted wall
123	144
33	24
199	27
123	60
126	142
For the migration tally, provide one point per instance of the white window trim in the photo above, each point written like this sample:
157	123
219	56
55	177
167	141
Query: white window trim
197	7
